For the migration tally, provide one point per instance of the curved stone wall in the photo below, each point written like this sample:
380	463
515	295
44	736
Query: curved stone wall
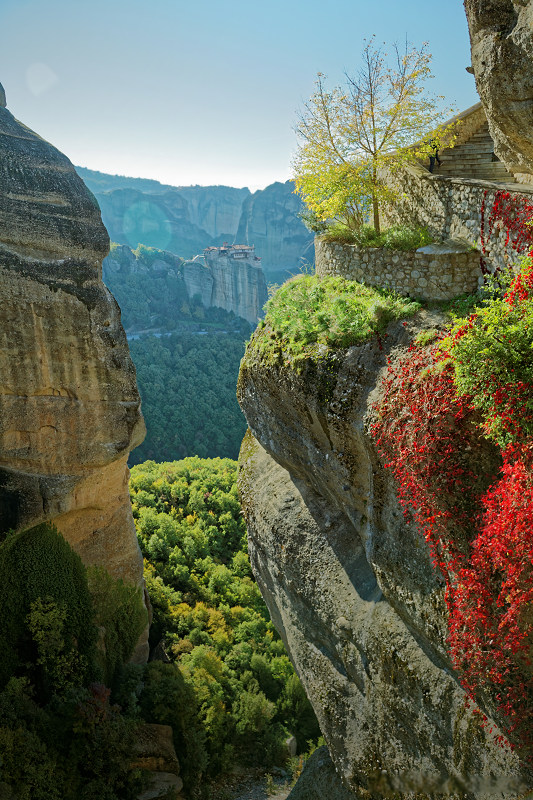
435	272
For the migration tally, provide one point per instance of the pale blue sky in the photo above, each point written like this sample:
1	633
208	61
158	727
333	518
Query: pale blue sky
201	92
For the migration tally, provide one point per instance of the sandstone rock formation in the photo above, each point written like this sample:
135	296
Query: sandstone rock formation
154	752
238	284
350	585
215	209
69	405
198	281
501	37
123	261
319	780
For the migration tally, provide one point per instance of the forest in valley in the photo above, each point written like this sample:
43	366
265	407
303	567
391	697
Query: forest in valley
187	385
71	703
236	695
187	357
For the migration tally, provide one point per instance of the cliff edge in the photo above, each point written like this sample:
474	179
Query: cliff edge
69	405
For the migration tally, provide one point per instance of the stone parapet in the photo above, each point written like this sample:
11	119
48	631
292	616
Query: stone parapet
435	272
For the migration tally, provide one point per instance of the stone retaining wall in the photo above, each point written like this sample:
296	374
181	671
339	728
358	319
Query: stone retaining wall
450	208
436	272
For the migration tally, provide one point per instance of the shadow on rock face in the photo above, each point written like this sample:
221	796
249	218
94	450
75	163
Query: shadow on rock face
319	780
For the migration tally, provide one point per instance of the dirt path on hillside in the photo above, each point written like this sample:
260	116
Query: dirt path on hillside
257	791
252	786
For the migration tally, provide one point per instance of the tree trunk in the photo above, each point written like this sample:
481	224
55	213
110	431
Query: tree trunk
375	204
375	208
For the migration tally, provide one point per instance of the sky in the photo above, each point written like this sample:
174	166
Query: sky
205	91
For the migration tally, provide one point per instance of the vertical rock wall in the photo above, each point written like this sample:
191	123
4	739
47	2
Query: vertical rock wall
69	405
501	38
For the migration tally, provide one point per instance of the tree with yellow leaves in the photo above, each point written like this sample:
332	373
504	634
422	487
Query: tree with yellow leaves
350	137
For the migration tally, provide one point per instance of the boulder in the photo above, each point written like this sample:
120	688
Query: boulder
154	752
319	780
154	749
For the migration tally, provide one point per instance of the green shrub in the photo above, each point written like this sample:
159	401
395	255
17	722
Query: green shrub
77	748
309	311
61	738
39	563
119	610
402	238
311	221
297	712
259	738
338	232
366	236
492	354
61	667
398	237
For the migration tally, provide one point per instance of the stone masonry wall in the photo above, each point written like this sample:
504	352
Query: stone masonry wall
437	272
450	208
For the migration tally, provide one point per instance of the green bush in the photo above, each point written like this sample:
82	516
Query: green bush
61	738
337	232
401	238
77	748
39	563
119	611
492	354
309	311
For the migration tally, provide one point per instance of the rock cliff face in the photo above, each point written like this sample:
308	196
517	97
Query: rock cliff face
185	220
350	585
215	209
270	221
69	406
236	285
123	261
501	37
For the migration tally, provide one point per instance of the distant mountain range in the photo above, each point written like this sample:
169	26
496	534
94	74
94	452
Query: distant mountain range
185	220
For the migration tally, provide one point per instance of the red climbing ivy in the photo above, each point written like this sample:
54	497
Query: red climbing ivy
428	433
490	631
463	463
455	425
509	212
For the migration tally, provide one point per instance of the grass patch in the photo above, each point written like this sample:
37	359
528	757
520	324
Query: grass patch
399	237
426	337
308	313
